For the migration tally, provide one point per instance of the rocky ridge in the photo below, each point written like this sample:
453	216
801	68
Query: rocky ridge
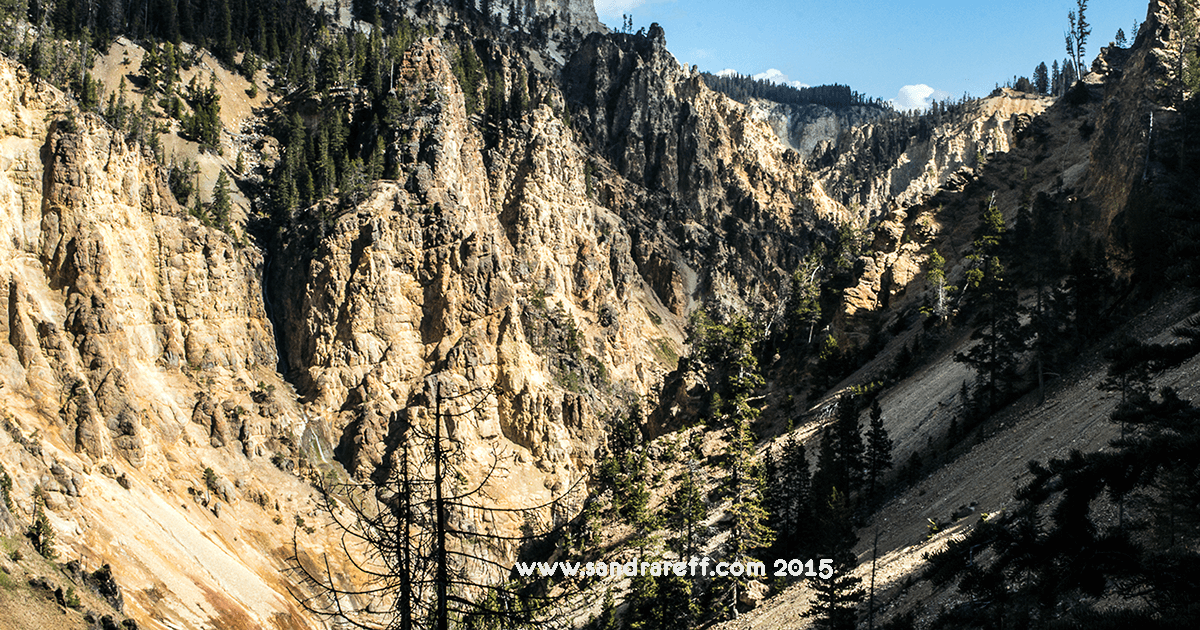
718	206
857	172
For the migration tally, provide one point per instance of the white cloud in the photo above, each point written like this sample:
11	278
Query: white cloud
616	8
775	75
919	97
727	72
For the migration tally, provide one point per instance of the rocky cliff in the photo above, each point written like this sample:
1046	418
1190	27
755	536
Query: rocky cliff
155	362
719	207
450	272
137	354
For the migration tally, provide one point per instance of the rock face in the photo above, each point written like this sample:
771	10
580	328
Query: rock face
1138	113
719	207
109	283
510	278
131	337
803	128
567	14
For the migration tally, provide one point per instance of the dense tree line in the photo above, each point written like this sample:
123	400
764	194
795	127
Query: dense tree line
272	29
773	506
743	88
1046	81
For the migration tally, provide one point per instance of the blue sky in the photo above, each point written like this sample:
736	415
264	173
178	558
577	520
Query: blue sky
910	51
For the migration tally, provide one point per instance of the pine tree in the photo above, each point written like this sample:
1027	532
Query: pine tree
848	446
354	181
198	208
1077	36
635	504
41	532
1069	76
879	450
221	204
1041	79
745	483
677	606
748	518
988	237
826	474
222	36
608	614
791	499
326	175
1120	40
804	303
838	594
937	278
660	603
1000	334
685	514
469	71
1001	337
642	611
1039	264
377	162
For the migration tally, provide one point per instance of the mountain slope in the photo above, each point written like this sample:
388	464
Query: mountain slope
552	203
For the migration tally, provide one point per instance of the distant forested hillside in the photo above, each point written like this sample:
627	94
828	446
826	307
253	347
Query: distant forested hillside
742	88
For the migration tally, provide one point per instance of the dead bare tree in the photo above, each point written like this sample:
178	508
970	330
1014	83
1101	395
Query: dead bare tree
422	562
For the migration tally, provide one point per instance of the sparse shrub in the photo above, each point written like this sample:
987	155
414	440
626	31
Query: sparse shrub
71	598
